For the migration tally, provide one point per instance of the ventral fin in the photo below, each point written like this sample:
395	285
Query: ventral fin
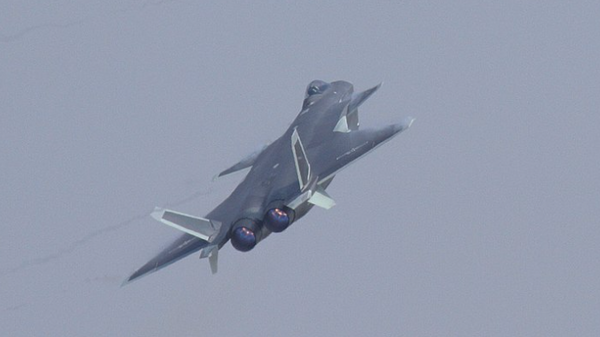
342	125
321	198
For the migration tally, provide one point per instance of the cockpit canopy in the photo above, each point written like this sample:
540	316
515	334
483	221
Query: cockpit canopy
316	87
314	91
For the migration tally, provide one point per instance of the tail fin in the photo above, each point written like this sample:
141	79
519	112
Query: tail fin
349	118
361	97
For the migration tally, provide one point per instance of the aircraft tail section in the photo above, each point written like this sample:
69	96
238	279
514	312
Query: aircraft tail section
349	119
361	97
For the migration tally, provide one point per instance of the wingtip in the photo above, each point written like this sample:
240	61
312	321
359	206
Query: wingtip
146	269
405	124
131	278
125	282
157	213
375	88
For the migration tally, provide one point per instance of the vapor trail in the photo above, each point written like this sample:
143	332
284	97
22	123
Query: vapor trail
31	29
4	38
89	237
107	280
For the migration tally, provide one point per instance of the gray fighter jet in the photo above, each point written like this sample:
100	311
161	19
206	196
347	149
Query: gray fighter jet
286	178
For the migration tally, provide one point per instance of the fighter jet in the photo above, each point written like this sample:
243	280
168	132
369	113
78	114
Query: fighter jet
286	178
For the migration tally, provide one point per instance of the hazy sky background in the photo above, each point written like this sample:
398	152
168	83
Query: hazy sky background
481	220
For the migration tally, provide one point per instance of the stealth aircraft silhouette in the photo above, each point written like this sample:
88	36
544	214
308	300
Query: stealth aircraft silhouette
286	178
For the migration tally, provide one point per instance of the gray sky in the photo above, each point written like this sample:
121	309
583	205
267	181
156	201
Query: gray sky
481	220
